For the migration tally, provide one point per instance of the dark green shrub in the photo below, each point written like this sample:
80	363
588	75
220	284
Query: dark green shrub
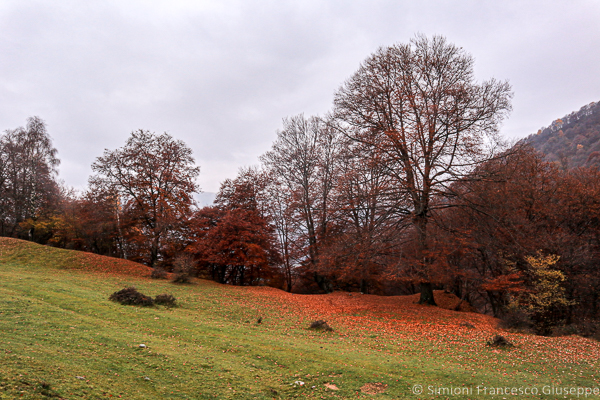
130	296
166	300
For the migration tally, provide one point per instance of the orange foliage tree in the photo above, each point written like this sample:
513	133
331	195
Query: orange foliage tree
523	208
153	178
233	239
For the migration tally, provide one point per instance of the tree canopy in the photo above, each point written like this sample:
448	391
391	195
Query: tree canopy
28	169
418	106
153	179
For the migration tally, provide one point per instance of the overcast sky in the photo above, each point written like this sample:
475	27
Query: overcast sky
221	75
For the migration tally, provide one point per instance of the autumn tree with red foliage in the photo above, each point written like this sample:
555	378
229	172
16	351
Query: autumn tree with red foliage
233	239
525	207
495	222
154	177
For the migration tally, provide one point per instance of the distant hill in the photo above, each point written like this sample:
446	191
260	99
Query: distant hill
573	140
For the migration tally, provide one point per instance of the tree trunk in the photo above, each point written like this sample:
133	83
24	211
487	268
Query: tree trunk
323	282
120	239
427	294
154	250
364	286
153	255
288	277
425	286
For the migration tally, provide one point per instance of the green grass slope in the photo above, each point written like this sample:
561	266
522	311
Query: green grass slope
60	337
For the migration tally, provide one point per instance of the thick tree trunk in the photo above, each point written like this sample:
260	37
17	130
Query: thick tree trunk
154	250
364	286
241	275
153	256
323	282
427	294
425	286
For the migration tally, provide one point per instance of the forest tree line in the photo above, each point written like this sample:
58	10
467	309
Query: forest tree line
404	187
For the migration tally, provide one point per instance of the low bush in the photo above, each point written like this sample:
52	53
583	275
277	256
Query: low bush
158	273
183	269
166	300
181	277
320	325
499	341
130	296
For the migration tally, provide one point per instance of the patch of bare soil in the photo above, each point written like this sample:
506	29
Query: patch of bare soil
373	388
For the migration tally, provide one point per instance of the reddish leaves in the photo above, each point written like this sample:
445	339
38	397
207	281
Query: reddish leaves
233	240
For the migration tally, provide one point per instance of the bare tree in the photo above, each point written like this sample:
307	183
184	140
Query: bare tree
28	172
281	214
155	176
303	160
418	106
370	216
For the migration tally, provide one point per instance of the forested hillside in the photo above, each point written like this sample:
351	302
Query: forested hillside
573	140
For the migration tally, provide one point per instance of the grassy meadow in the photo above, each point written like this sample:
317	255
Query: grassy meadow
60	337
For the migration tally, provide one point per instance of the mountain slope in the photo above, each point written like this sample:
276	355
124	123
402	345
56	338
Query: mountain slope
573	140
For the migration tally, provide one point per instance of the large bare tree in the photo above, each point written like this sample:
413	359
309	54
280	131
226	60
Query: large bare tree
420	109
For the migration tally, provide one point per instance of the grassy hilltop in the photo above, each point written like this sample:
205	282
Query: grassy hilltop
60	337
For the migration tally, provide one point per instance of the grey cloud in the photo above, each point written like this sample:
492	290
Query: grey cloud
221	75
